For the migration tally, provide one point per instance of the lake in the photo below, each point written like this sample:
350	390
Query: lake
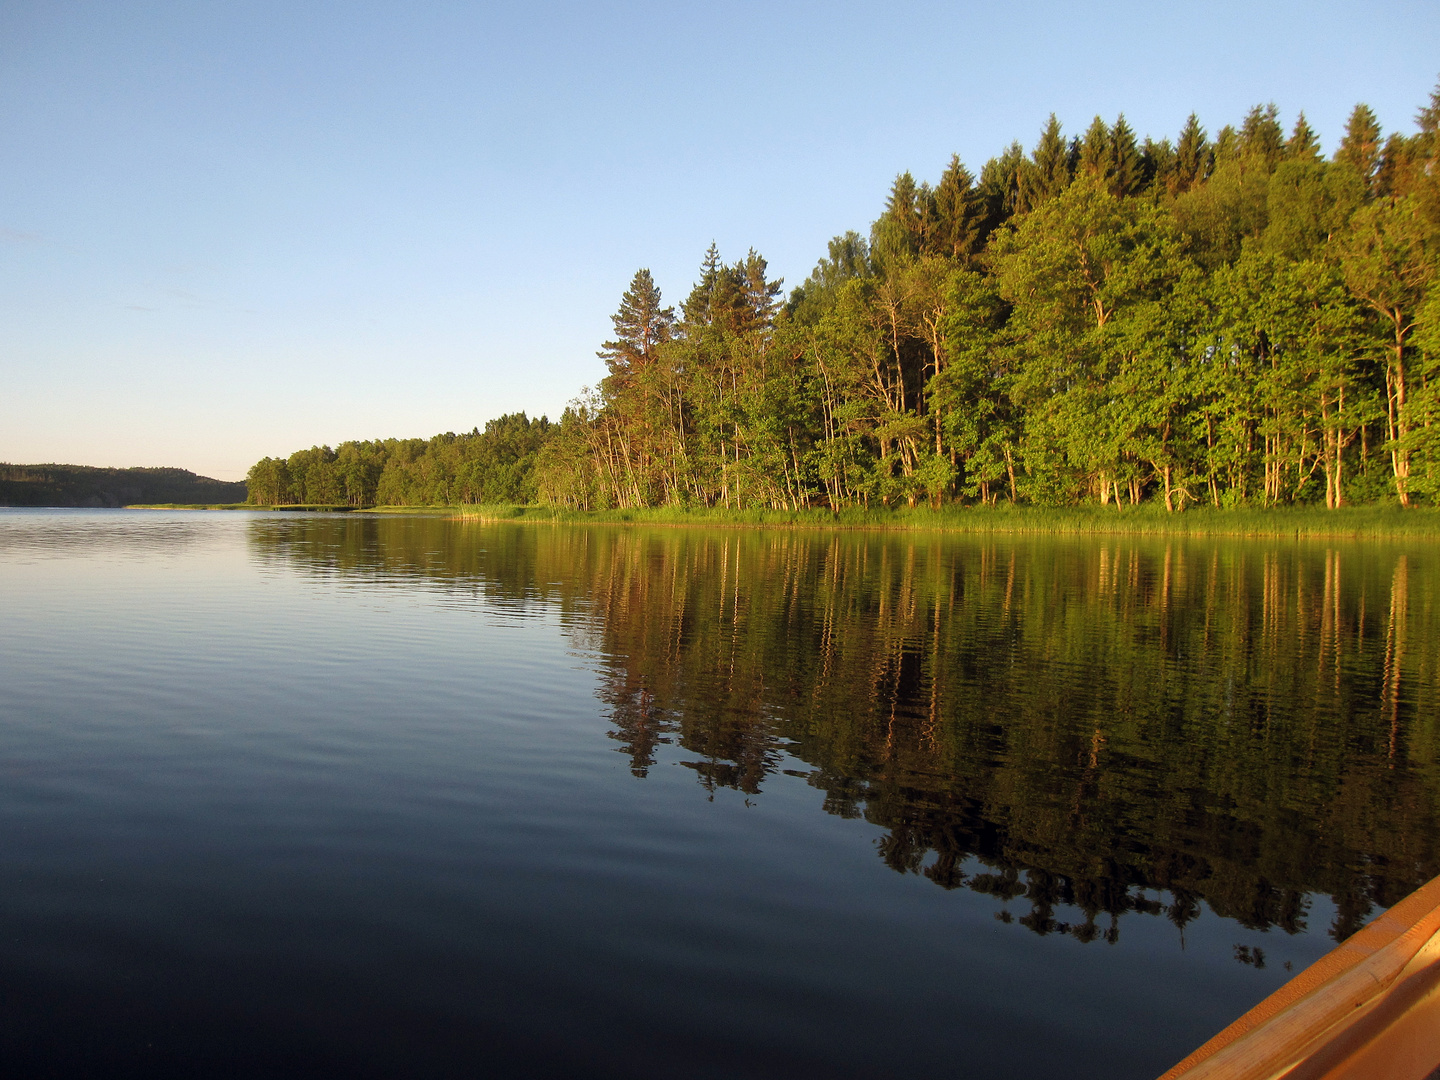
351	795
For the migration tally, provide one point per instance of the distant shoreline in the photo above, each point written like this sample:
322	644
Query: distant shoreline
1352	523
95	487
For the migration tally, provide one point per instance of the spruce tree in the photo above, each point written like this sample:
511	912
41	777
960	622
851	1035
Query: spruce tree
1428	121
1428	118
1000	186
1303	144
1396	175
1427	153
1261	135
899	233
1227	145
1157	163
1360	148
1193	156
958	213
1095	148
1123	173
697	306
728	307
1049	169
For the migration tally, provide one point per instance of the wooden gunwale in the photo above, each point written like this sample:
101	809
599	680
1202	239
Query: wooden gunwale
1367	1010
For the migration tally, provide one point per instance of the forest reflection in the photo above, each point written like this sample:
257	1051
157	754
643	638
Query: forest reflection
1110	725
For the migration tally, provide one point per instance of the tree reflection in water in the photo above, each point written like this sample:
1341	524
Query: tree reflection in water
1115	725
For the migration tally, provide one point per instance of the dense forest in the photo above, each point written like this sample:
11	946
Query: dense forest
82	485
496	465
1236	320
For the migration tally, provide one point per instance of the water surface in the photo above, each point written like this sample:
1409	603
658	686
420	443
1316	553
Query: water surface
311	795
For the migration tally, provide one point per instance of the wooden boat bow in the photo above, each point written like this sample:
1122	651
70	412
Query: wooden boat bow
1367	1010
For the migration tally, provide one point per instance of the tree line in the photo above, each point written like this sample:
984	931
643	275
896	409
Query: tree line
85	485
491	466
1236	320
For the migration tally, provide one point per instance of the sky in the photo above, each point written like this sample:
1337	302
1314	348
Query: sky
231	230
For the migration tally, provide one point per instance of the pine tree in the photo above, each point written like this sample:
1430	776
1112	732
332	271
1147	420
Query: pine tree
1360	148
760	292
641	324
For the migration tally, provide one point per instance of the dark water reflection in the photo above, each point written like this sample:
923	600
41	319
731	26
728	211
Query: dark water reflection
1095	721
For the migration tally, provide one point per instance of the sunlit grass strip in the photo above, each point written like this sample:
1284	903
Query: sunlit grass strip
329	508
191	506
312	508
1358	522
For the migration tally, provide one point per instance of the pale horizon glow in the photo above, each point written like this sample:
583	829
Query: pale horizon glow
235	230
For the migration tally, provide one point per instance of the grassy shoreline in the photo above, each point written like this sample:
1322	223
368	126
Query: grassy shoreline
1361	522
1355	522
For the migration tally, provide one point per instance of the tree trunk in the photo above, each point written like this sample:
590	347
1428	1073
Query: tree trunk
1398	422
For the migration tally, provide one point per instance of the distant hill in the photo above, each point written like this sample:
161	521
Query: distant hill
83	485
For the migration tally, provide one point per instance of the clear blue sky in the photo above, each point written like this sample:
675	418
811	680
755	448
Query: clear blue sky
232	229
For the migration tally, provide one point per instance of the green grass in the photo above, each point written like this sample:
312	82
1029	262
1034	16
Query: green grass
191	506
447	511
335	508
297	507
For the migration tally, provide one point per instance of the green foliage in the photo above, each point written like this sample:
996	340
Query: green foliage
494	465
1221	323
1360	147
1050	168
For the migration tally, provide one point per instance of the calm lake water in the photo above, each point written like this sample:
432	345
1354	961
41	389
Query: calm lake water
302	795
